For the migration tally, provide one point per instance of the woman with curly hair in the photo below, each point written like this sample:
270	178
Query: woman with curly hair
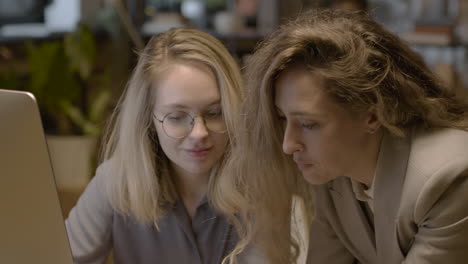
381	142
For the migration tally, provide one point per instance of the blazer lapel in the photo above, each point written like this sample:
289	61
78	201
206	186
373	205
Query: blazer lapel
357	234
390	175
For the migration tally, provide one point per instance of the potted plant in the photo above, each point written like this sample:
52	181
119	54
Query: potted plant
73	96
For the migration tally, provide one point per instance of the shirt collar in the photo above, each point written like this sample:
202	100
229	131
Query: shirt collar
361	192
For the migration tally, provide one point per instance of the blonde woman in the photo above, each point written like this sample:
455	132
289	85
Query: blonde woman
369	126
150	201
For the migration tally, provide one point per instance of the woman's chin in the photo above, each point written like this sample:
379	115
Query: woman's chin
314	178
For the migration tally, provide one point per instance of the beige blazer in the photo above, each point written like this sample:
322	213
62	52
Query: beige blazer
420	206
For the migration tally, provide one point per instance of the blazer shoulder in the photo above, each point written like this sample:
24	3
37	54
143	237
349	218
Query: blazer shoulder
438	159
432	150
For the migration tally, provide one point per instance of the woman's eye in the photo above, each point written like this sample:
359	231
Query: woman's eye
177	116
212	115
309	125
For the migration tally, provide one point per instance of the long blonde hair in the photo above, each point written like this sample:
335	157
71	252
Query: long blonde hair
142	186
363	66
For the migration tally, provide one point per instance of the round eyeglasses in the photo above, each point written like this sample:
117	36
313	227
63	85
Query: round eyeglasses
179	124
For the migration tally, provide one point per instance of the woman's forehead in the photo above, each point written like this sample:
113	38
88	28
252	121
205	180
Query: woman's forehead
301	93
186	86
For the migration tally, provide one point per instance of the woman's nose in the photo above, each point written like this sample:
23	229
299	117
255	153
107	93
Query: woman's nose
291	141
199	129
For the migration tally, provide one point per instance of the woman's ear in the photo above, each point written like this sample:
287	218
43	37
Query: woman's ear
372	123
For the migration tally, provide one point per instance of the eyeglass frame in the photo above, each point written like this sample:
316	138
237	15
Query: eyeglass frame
192	124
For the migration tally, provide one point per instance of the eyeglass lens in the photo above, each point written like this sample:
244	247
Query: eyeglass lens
179	124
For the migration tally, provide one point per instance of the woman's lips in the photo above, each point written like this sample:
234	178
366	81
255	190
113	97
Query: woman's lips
301	165
198	152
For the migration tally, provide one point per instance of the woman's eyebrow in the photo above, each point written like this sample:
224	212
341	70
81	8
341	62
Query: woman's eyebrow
303	114
278	111
185	106
298	113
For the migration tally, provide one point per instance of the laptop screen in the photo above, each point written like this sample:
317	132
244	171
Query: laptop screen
32	229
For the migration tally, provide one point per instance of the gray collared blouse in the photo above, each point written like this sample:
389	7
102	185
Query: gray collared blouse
94	228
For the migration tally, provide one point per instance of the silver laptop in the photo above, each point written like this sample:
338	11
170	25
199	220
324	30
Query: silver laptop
32	228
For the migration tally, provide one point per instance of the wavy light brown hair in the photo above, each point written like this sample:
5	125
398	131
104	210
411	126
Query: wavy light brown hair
363	66
142	185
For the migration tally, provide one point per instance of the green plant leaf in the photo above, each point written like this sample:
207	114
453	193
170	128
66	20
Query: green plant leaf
9	81
40	60
99	105
51	79
78	118
80	47
70	91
